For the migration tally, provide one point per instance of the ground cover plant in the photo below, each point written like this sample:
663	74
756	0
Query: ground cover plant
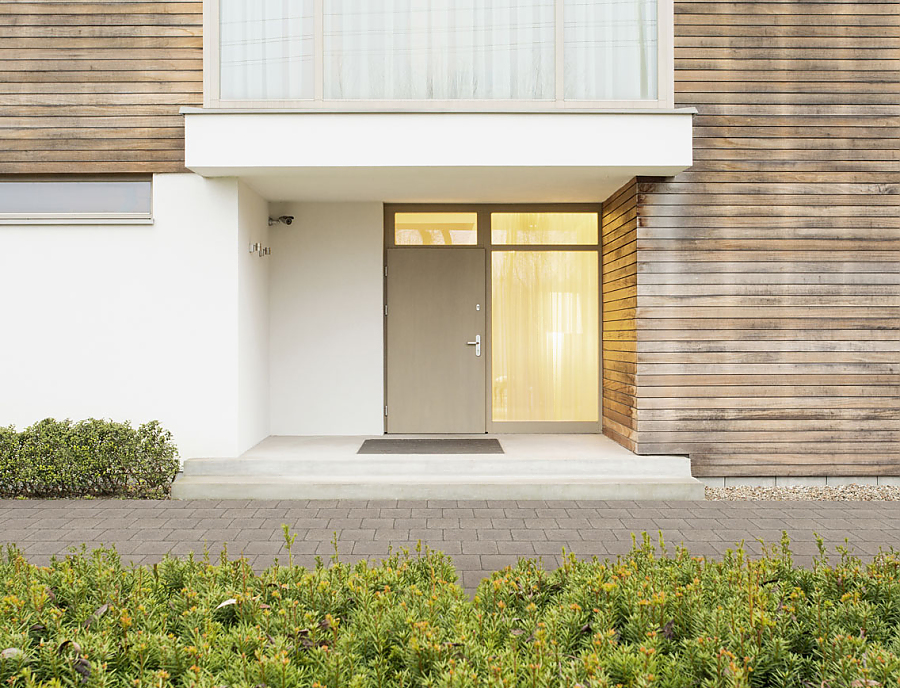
90	458
647	619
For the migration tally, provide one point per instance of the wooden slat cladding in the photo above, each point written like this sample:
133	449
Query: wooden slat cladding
96	87
619	292
768	275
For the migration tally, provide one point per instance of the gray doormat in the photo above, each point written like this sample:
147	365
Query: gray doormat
430	446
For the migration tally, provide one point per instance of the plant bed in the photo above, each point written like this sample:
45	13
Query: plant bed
90	458
647	619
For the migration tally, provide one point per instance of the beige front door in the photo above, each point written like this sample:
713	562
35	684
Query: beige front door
435	311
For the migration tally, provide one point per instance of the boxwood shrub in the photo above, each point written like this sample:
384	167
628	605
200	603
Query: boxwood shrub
89	458
644	620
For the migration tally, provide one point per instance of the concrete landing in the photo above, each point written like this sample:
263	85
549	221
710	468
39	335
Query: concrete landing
532	467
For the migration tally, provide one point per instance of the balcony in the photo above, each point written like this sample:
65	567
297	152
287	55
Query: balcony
438	55
438	100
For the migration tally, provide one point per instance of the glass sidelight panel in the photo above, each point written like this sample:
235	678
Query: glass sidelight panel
545	335
544	228
435	229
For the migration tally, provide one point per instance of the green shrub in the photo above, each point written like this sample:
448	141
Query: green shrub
644	620
89	458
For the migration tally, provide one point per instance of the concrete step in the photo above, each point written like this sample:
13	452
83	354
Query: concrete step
367	486
422	466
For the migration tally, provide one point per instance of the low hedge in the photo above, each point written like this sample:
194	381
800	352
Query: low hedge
644	620
99	458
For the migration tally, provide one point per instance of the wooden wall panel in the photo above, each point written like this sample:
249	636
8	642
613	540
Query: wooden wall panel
619	293
96	87
768	275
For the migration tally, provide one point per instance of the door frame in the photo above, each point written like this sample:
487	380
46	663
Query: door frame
483	212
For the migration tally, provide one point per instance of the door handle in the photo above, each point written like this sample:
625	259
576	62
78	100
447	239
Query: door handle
476	344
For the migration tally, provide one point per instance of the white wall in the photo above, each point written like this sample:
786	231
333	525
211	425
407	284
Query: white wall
131	322
253	320
326	320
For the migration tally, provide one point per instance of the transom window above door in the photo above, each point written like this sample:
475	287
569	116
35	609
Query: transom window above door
439	54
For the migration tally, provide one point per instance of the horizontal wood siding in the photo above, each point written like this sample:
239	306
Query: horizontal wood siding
619	293
96	87
768	275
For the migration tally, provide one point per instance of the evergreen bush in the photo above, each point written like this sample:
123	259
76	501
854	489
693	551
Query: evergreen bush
644	620
99	458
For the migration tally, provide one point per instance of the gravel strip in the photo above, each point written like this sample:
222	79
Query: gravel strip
834	493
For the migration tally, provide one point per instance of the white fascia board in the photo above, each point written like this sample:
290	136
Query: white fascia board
236	143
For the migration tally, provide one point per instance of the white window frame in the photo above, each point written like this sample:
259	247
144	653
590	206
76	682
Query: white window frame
78	218
665	77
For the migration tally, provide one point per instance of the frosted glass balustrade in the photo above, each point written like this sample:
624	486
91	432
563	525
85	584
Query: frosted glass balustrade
437	50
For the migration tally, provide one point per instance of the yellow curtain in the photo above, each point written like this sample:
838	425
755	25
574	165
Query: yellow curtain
544	228
435	229
545	335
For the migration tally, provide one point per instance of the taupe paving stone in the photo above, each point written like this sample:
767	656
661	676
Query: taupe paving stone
519	548
480	547
388	534
479	535
459	534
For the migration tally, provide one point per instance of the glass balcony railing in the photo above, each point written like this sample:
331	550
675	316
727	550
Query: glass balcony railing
446	53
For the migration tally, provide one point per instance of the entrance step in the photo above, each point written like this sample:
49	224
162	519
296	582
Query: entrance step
460	487
533	467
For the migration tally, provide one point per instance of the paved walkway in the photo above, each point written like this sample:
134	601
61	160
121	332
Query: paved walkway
481	536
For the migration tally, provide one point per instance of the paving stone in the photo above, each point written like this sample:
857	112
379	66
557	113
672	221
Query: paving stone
520	548
265	547
552	546
45	547
391	534
480	547
153	547
493	534
496	562
356	534
247	522
459	534
572	524
370	547
419	512
329	548
518	512
457	512
488	513
528	535
467	562
471	579
447	547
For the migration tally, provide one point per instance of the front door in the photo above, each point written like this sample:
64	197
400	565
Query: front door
436	340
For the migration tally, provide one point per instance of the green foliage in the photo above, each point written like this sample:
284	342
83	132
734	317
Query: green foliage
644	620
89	458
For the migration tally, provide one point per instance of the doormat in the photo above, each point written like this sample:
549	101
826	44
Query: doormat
430	446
